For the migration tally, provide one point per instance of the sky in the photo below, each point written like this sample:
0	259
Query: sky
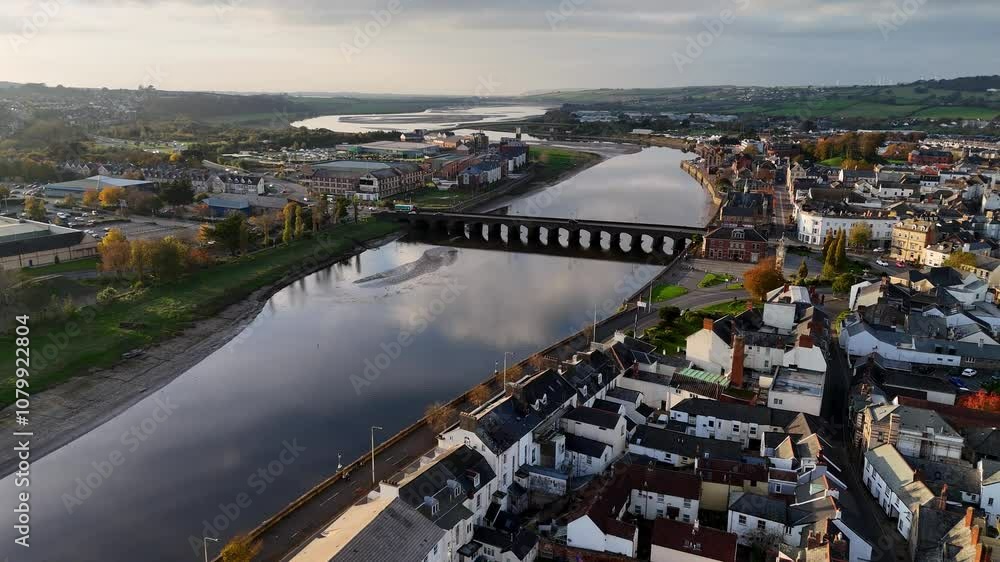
492	47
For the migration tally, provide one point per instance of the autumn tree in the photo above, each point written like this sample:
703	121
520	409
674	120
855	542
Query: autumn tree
840	255
140	254
439	416
289	214
339	210
115	252
300	224
91	198
762	278
240	548
981	400
168	258
860	235
4	192
319	213
35	208
111	196
68	201
264	223
843	283
959	259
229	232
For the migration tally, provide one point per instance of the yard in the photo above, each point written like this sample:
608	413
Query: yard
713	279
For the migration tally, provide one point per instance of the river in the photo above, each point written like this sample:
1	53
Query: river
142	486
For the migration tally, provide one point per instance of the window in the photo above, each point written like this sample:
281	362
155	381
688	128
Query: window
761	525
711	423
687	502
687	518
778	402
742	519
989	502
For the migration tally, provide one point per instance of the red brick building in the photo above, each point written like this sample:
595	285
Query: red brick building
930	157
737	244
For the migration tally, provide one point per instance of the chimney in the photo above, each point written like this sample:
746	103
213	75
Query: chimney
805	341
708	324
982	553
968	516
974	539
736	371
467	421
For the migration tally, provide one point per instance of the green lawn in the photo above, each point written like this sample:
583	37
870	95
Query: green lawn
713	279
730	307
666	292
99	336
833	162
86	264
556	161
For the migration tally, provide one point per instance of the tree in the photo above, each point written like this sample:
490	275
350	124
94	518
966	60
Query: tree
4	192
264	222
339	210
439	416
959	259
843	283
480	394
762	278
91	198
142	202
177	193
115	252
35	208
228	233
68	201
168	258
289	232
840	255
669	315
140	254
300	225
981	400
111	196
861	235
240	549
319	213
354	205
803	271
828	243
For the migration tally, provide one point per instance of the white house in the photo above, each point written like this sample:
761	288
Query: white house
889	478
989	498
725	421
679	449
815	225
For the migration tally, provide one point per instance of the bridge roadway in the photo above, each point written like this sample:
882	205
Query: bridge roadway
488	228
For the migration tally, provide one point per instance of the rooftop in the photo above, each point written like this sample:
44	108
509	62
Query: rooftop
696	540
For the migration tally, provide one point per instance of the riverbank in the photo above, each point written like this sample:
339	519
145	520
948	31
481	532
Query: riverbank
706	182
177	325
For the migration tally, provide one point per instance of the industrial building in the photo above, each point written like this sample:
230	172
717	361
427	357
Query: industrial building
25	243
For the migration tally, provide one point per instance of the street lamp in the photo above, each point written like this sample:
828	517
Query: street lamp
374	427
204	541
505	354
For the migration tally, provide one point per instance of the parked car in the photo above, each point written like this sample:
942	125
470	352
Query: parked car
969	373
959	383
881	262
901	265
878	250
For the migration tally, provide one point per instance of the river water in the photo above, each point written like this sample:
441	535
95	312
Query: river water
433	119
142	486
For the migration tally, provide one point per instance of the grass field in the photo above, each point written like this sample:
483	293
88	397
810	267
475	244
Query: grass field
666	292
98	336
713	279
557	161
732	307
86	264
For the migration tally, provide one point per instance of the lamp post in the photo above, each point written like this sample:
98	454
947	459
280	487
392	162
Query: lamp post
374	427
204	541
505	354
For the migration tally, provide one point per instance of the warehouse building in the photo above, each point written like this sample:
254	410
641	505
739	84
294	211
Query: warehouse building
26	243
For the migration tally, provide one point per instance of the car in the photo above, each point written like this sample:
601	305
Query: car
883	263
959	384
969	373
878	250
107	229
901	264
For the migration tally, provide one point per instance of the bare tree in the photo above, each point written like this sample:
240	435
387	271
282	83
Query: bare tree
480	394
241	548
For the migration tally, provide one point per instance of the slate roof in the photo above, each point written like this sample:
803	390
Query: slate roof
585	446
771	509
686	445
983	440
520	544
625	394
593	416
760	415
960	477
510	419
397	534
459	466
697	541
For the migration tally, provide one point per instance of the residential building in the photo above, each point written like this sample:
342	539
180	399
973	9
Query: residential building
237	183
942	535
925	157
915	432
737	244
795	390
594	438
676	541
752	514
723	480
910	237
989	497
891	481
746	209
680	449
367	180
816	222
726	421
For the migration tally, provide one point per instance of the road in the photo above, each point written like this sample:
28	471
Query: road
782	207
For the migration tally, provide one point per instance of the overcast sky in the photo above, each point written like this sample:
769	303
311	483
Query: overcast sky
492	47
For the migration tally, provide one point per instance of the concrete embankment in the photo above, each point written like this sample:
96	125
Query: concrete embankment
705	180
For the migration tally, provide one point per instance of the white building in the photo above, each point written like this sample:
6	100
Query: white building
815	225
989	497
889	478
675	541
725	421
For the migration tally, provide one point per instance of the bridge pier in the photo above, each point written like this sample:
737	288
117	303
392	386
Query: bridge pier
456	228
494	232
534	235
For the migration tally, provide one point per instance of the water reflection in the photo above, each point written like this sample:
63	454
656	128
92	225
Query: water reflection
288	377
